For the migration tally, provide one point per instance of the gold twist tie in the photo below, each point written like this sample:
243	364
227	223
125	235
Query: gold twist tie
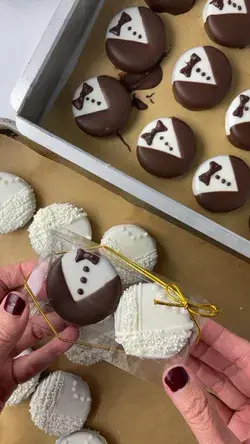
172	291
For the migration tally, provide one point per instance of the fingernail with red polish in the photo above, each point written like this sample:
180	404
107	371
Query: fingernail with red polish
14	305
176	379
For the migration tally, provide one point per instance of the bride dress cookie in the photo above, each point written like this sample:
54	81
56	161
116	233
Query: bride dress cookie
135	40
201	78
238	121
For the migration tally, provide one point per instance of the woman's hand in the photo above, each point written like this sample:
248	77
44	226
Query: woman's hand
221	364
17	333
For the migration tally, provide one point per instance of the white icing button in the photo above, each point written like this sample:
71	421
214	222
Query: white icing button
73	389
88	400
76	396
82	399
74	383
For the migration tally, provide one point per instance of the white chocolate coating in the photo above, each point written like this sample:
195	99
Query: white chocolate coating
204	66
17	203
147	330
82	437
215	185
58	216
135	243
93	102
232	120
61	404
136	25
160	140
211	9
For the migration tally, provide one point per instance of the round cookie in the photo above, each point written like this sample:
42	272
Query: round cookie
82	437
25	390
61	404
136	244
166	147
201	78
238	121
147	330
174	7
17	203
83	288
101	106
227	22
222	183
58	216
135	40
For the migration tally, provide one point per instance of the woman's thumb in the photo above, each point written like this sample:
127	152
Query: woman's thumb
14	315
195	405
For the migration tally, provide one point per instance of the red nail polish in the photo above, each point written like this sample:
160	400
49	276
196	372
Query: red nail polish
176	379
14	305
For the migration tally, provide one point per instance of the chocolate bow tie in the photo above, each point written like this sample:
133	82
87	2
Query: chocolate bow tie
240	109
86	90
187	70
218	4
81	255
149	137
125	18
214	167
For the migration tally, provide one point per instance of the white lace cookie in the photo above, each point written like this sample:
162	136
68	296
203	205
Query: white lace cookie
58	216
99	334
24	391
82	437
17	203
147	330
61	404
135	243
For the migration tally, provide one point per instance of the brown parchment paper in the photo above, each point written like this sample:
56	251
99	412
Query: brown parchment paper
126	410
183	32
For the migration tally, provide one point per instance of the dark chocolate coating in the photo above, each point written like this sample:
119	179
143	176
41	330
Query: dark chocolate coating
240	136
199	96
147	80
222	202
110	121
174	7
165	165
136	57
232	30
90	310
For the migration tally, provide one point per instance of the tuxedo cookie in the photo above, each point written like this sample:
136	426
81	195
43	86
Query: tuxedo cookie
83	288
135	40
227	22
101	106
174	7
222	183
166	147
201	78
238	121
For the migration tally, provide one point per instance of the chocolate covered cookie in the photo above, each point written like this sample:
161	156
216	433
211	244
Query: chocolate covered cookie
83	288
201	78
222	183
227	22
174	7
101	106
135	40
166	147
238	121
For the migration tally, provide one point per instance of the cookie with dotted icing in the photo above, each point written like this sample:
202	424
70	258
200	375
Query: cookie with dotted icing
101	106
83	288
147	330
136	244
82	437
201	78
227	22
135	40
61	404
238	121
222	183
166	147
17	203
58	216
173	7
